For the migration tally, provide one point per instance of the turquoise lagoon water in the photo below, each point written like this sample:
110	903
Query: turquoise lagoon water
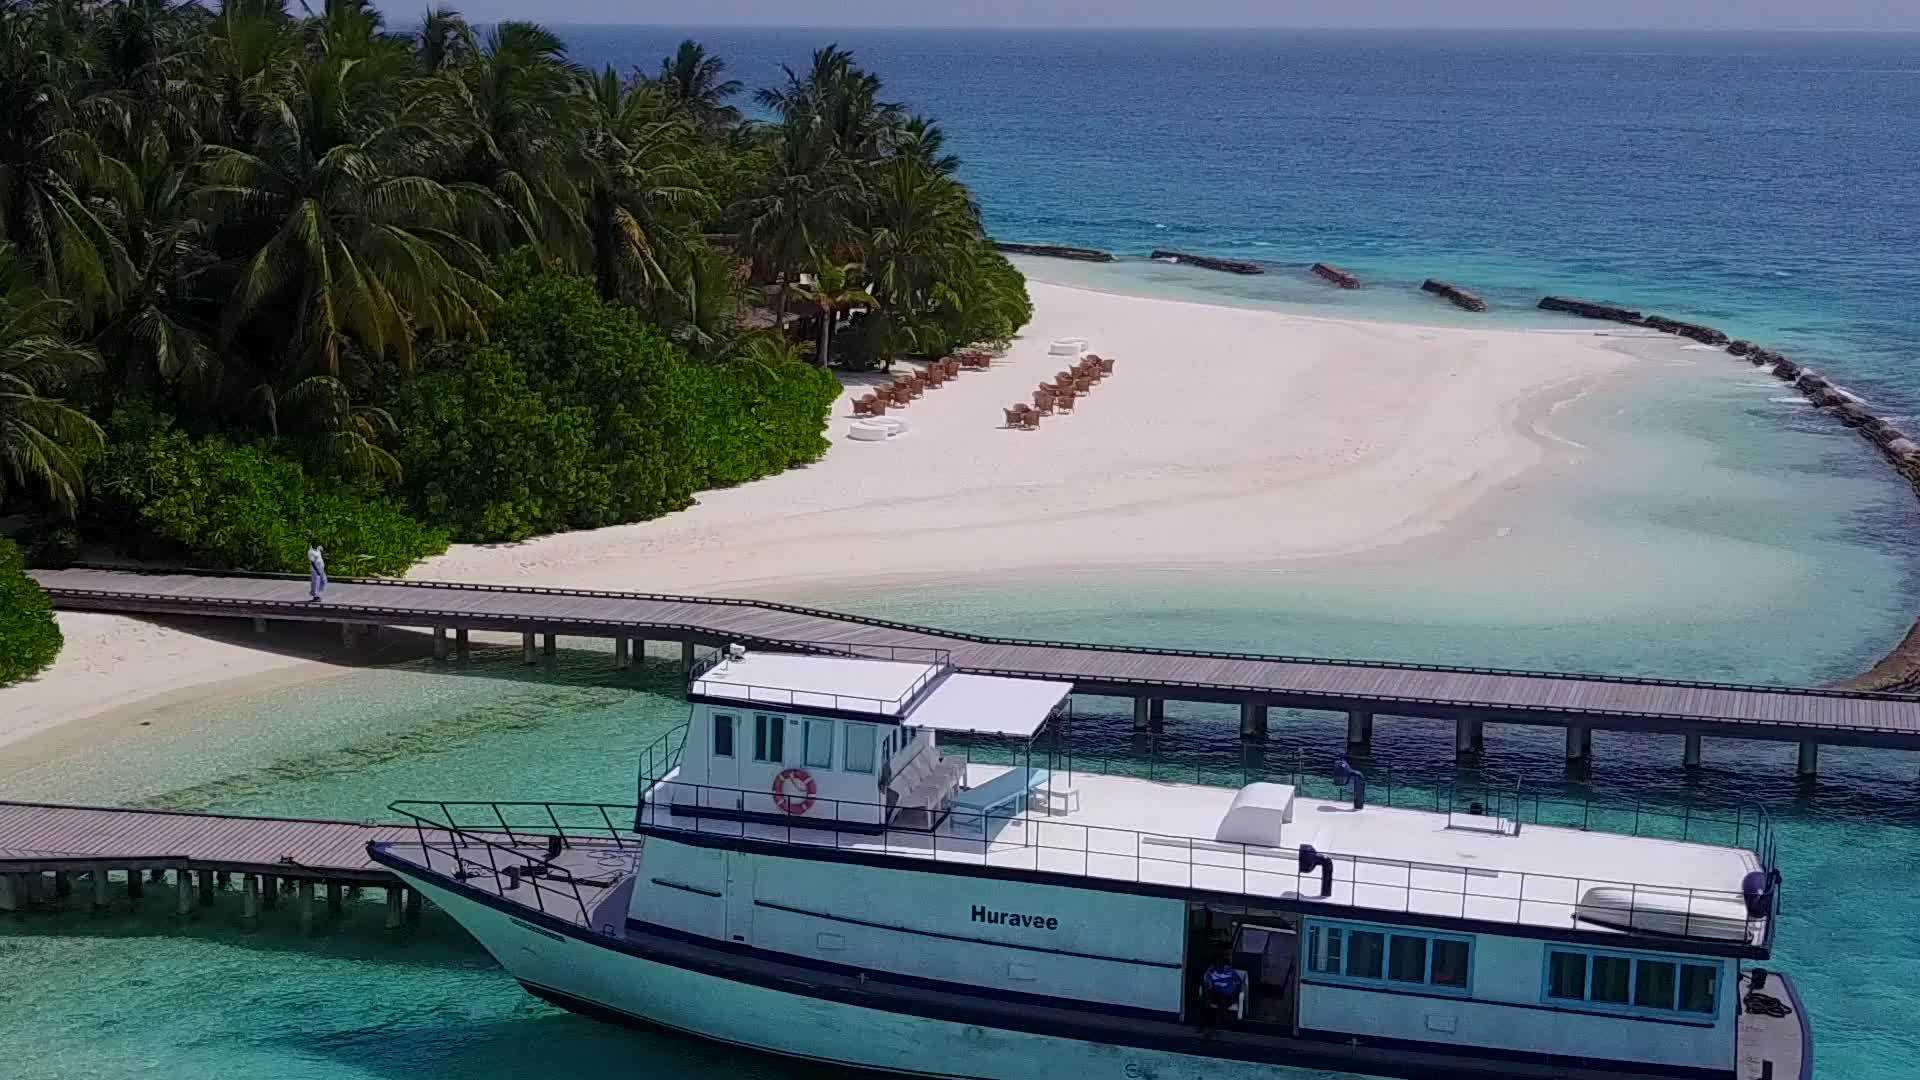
1710	527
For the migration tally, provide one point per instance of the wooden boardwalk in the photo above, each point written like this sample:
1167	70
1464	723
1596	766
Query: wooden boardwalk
52	837
1469	696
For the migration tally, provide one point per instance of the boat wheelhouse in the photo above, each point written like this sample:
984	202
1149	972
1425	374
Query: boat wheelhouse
812	870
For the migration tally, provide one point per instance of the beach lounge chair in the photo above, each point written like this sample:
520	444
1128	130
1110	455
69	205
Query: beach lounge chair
1081	385
1043	402
1063	402
1106	365
864	406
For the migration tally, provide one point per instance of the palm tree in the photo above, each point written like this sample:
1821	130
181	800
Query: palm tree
692	80
807	202
53	164
354	245
642	198
840	101
519	113
445	40
162	334
43	442
921	139
922	227
834	288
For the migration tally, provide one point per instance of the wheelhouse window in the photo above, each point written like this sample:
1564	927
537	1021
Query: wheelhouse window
1389	959
769	738
819	753
859	753
722	735
1618	982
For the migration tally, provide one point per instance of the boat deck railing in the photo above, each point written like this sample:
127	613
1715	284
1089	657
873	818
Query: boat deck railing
1748	827
504	846
938	661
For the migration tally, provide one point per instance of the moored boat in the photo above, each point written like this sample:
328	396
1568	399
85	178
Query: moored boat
809	870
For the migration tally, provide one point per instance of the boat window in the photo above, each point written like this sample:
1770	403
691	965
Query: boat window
1653	984
1384	958
1449	963
1624	983
1365	949
820	744
1407	959
1699	985
769	738
722	735
1324	947
859	755
1567	975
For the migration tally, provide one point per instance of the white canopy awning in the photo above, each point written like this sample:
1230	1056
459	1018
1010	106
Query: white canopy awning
989	705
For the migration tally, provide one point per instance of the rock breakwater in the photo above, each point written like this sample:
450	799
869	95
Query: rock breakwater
1588	309
1334	275
1208	262
1454	294
1055	251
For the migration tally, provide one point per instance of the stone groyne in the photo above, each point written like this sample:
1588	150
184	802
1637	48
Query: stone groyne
1055	251
1334	275
1899	670
1454	294
1208	262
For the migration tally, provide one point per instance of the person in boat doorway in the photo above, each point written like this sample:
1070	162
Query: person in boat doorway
317	573
1220	987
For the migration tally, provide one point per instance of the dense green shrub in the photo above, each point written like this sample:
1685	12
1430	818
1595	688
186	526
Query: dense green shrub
29	638
578	414
214	501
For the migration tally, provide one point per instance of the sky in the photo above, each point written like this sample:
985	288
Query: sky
1401	14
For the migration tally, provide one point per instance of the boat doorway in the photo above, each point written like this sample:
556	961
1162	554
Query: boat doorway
1263	947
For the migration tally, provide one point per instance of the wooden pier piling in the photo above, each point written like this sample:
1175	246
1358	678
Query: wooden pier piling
336	898
1253	722
686	656
461	646
183	891
439	643
306	905
1579	743
1359	728
395	906
620	655
269	891
550	644
136	885
1690	758
206	888
98	879
13	892
526	648
1808	766
250	899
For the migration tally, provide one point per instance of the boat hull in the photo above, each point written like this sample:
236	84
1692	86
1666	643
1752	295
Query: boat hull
614	982
614	985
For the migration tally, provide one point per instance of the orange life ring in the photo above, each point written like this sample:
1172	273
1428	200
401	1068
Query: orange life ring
794	791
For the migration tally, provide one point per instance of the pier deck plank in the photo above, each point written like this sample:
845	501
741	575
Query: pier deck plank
1765	712
49	836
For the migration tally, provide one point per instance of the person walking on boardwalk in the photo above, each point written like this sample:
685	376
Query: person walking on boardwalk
317	573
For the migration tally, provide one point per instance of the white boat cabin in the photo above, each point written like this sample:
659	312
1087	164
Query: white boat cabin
801	738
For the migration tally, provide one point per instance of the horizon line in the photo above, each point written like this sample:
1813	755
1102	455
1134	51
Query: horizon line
1242	27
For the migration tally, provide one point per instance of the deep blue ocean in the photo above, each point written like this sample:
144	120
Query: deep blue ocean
1766	183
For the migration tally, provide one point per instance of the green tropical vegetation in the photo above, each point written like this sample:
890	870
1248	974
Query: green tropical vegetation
272	274
29	638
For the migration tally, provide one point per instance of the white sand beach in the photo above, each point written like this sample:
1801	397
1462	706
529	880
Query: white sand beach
1225	437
